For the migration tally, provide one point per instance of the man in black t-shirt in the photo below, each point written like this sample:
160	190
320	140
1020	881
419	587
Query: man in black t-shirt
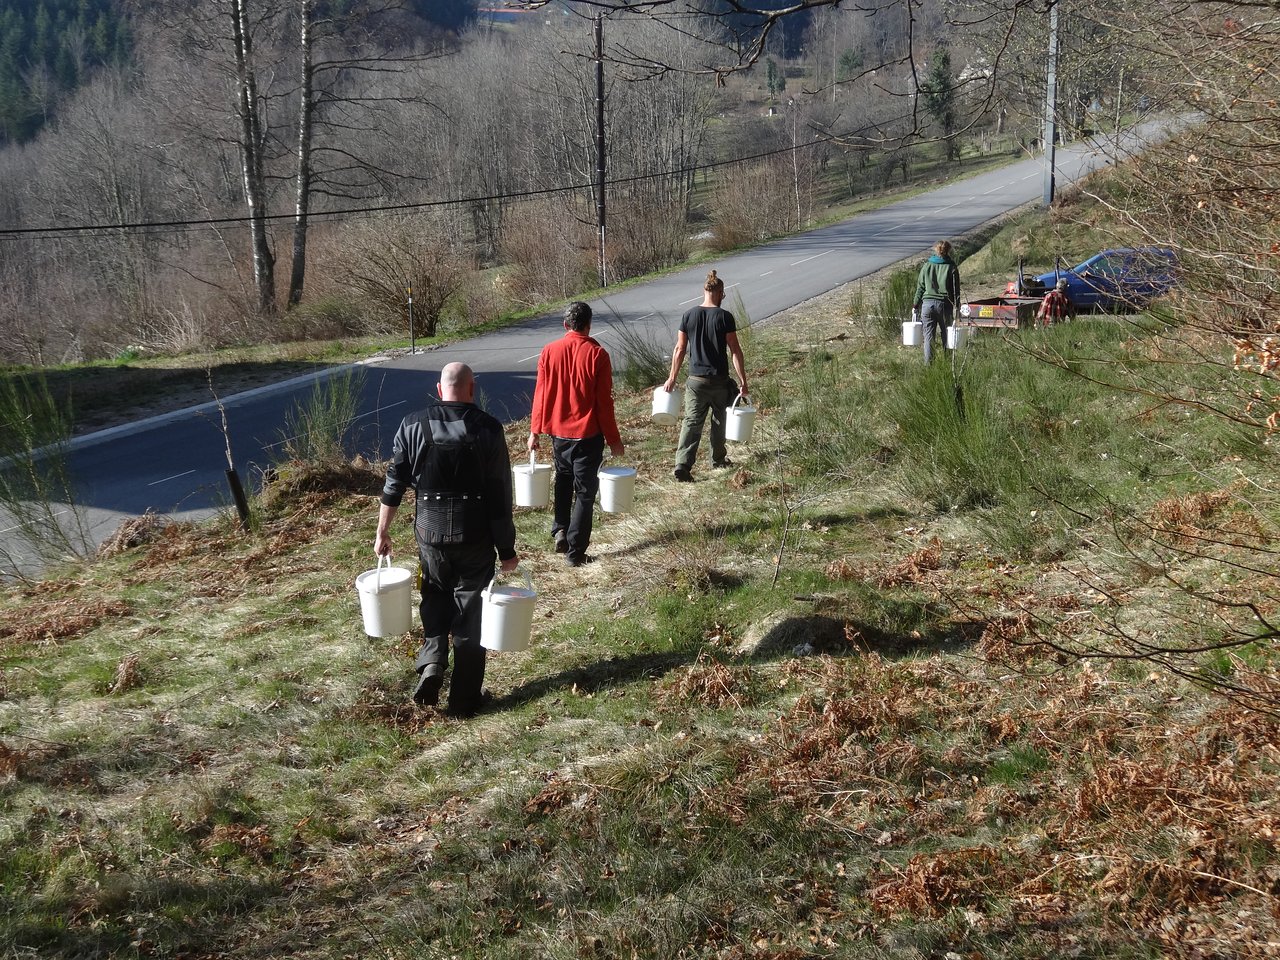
708	334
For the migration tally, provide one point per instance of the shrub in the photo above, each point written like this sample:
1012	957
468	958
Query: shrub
388	257
644	359
893	305
328	317
317	431
551	252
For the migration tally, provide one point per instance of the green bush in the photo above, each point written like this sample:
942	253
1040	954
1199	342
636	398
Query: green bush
893	306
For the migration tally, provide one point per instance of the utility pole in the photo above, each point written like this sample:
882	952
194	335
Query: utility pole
600	142
1051	105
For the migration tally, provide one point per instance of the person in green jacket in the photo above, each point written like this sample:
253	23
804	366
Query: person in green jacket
937	295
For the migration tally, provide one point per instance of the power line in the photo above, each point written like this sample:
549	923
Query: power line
110	229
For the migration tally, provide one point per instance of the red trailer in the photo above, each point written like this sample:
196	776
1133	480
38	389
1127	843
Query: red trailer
1006	312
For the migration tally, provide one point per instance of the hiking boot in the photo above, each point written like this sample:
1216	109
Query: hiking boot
682	474
722	464
427	692
562	542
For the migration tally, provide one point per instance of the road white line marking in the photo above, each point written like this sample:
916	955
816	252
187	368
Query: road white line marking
766	273
154	483
814	257
694	300
527	359
17	526
647	316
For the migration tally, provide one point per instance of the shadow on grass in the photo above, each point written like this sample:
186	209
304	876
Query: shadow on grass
50	935
816	634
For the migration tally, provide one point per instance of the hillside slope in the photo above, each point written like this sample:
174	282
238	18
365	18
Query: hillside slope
822	705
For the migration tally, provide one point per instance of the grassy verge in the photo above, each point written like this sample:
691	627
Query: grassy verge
815	706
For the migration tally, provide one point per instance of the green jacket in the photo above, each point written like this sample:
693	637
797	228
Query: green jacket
939	280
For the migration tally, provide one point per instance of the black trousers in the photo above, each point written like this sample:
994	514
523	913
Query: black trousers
577	483
453	578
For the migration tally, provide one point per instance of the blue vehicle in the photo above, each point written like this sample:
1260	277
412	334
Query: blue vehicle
1122	280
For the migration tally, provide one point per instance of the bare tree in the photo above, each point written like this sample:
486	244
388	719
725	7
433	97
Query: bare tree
250	108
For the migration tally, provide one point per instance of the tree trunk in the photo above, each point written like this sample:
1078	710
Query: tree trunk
302	201
252	141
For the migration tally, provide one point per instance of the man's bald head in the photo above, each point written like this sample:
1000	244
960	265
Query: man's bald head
457	382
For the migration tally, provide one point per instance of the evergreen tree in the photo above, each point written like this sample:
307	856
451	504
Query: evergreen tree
939	91
37	36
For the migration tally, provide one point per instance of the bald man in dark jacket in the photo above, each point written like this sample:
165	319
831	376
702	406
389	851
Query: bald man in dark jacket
455	457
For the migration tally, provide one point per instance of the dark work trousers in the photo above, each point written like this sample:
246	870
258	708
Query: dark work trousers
935	317
703	396
453	577
577	482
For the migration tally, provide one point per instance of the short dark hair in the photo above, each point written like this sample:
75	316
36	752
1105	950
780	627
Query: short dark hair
577	316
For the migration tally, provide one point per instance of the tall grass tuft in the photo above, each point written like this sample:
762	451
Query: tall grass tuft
827	424
961	452
318	430
893	306
1001	432
37	492
644	360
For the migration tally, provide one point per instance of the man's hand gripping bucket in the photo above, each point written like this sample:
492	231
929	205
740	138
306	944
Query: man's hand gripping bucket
532	483
506	621
385	599
739	421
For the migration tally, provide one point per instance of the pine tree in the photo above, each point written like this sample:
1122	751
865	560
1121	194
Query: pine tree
939	91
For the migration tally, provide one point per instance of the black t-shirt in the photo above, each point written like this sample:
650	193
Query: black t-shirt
707	328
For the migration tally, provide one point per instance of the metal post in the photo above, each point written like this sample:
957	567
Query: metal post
1119	102
1051	105
600	163
413	345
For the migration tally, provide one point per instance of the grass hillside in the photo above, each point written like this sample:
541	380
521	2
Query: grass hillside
844	700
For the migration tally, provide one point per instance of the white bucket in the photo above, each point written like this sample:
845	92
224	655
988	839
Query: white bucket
532	483
738	421
667	406
617	489
506	617
958	336
912	333
385	599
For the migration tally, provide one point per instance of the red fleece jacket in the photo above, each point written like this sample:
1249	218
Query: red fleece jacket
573	397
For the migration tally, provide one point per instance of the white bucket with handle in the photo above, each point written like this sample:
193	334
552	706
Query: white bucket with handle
912	333
667	406
958	337
617	489
532	483
506	618
385	595
739	421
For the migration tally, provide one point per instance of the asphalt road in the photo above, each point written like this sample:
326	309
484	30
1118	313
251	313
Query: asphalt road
176	464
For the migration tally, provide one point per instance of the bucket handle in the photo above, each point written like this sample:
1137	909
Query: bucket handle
488	590
738	399
377	579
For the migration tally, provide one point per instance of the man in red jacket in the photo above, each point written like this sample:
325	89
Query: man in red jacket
573	402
